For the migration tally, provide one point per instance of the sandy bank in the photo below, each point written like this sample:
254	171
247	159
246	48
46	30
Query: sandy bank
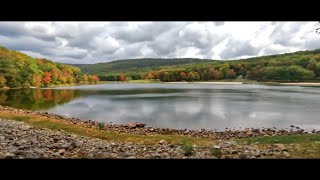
301	84
204	82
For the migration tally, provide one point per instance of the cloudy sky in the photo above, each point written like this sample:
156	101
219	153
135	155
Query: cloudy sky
92	42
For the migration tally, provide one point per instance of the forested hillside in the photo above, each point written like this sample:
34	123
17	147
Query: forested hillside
146	64
19	70
298	66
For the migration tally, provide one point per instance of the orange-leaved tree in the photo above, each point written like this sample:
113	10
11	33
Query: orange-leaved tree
47	78
95	78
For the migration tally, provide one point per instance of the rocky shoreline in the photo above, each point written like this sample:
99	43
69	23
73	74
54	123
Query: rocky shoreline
141	129
19	140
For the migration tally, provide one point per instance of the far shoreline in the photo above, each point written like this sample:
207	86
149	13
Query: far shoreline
269	83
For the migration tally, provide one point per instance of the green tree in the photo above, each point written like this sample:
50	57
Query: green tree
2	81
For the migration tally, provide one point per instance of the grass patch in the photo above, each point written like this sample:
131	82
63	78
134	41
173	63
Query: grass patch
44	122
270	83
284	139
304	145
216	152
21	118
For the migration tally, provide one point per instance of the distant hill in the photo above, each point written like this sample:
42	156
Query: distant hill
136	64
146	64
296	66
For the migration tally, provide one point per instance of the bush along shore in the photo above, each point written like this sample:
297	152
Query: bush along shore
33	134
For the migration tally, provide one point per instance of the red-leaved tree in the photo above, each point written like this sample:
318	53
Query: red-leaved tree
183	76
47	78
122	78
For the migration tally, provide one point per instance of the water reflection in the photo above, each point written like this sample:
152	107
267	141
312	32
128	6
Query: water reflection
36	99
174	106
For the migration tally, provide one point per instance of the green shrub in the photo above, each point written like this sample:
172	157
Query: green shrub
188	150
100	125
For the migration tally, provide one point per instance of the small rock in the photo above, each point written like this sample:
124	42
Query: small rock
25	128
113	155
286	153
23	141
131	157
61	151
165	154
9	156
281	146
162	142
217	147
33	156
249	132
90	155
73	145
256	153
65	146
39	151
156	155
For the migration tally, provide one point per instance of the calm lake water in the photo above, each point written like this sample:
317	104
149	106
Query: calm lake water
191	106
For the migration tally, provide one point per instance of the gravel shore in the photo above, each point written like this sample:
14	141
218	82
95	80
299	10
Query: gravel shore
19	140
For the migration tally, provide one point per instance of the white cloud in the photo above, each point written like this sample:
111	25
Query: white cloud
90	42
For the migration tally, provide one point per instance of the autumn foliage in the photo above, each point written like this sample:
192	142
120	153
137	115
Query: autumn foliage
183	76
95	79
47	78
19	70
122	77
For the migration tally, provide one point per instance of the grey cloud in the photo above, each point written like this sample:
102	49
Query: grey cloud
145	32
273	50
219	23
18	29
70	52
237	48
313	44
91	42
283	36
12	29
27	43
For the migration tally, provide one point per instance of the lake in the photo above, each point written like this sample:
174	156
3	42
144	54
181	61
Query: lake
179	106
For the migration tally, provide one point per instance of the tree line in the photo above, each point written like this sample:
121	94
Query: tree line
19	70
299	66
